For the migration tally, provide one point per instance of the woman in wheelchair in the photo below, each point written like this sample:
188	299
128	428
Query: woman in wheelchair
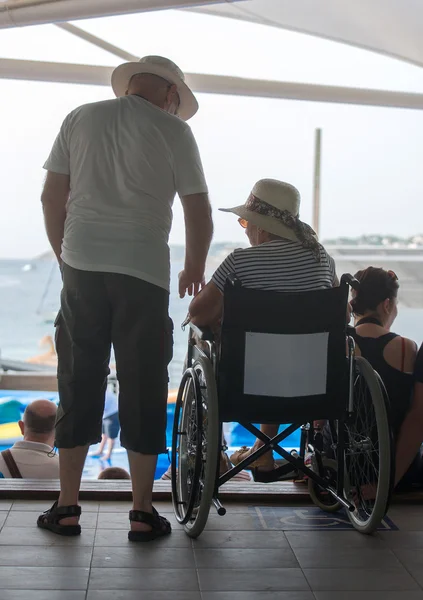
374	307
284	256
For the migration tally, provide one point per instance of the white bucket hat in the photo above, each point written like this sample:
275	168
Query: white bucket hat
162	67
274	206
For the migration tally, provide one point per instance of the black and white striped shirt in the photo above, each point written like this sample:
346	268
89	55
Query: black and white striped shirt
279	265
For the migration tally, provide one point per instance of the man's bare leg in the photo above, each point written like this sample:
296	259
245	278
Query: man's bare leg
99	452
71	462
270	430
110	446
143	468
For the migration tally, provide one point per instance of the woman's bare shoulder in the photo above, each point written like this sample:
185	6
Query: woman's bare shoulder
394	353
410	345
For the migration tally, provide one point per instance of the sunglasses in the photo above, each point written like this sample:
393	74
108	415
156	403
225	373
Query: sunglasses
243	223
393	275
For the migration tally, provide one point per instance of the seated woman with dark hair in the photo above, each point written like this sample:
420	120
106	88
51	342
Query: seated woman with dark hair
375	307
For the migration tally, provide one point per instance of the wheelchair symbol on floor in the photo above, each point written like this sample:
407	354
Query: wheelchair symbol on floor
305	519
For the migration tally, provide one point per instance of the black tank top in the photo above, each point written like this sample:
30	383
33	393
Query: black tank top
399	385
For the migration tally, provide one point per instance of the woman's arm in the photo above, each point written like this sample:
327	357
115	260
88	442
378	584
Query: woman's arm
411	434
207	307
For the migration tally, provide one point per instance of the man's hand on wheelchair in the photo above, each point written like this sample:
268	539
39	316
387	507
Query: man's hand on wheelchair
190	283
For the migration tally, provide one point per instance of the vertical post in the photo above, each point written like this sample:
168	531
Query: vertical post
316	186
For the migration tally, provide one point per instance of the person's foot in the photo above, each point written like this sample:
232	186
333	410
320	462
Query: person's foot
96	455
264	462
69	521
147	525
224	466
167	475
137	526
63	520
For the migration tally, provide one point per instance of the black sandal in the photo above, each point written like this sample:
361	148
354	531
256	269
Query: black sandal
159	526
51	518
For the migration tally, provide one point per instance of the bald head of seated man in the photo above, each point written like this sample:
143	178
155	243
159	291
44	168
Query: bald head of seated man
38	422
34	457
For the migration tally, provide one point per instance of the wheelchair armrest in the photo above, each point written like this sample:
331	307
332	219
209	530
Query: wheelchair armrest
203	333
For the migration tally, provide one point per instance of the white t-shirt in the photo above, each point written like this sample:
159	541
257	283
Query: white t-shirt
126	159
34	461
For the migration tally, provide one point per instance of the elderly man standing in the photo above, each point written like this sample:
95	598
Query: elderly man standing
113	172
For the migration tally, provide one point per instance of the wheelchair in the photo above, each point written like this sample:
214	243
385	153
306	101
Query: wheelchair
283	358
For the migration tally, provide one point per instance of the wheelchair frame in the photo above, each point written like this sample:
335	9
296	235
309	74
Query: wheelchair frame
195	354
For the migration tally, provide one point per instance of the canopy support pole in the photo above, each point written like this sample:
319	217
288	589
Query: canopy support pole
215	84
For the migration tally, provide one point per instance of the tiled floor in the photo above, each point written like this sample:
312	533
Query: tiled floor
253	553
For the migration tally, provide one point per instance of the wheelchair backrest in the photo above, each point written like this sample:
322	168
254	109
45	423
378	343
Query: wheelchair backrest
283	355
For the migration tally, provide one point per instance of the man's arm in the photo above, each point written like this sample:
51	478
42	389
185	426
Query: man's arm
198	235
191	186
54	198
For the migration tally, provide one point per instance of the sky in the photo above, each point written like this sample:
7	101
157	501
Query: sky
371	179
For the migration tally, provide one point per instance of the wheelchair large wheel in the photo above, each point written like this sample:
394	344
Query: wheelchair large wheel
368	451
195	447
185	461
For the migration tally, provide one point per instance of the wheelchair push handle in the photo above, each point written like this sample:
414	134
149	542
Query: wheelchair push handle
351	281
233	280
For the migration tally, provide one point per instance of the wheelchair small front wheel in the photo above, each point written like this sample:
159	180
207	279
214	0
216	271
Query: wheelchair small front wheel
321	497
195	447
368	451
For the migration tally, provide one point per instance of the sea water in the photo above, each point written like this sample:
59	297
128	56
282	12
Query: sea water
29	299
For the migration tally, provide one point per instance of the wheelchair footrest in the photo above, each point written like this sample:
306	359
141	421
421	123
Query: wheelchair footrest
287	471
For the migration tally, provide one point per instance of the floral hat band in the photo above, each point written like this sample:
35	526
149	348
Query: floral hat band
305	234
274	206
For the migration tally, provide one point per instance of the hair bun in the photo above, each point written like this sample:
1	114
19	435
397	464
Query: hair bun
376	285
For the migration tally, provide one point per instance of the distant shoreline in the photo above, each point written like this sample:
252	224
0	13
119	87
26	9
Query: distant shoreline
376	244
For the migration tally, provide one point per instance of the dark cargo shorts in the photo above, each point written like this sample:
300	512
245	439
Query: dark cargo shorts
98	310
111	426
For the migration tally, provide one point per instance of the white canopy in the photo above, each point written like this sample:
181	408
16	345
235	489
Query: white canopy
391	27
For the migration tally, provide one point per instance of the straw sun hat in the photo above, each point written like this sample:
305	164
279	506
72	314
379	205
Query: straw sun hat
274	206
162	67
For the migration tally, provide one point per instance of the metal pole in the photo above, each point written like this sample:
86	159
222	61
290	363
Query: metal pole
316	187
93	39
33	70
